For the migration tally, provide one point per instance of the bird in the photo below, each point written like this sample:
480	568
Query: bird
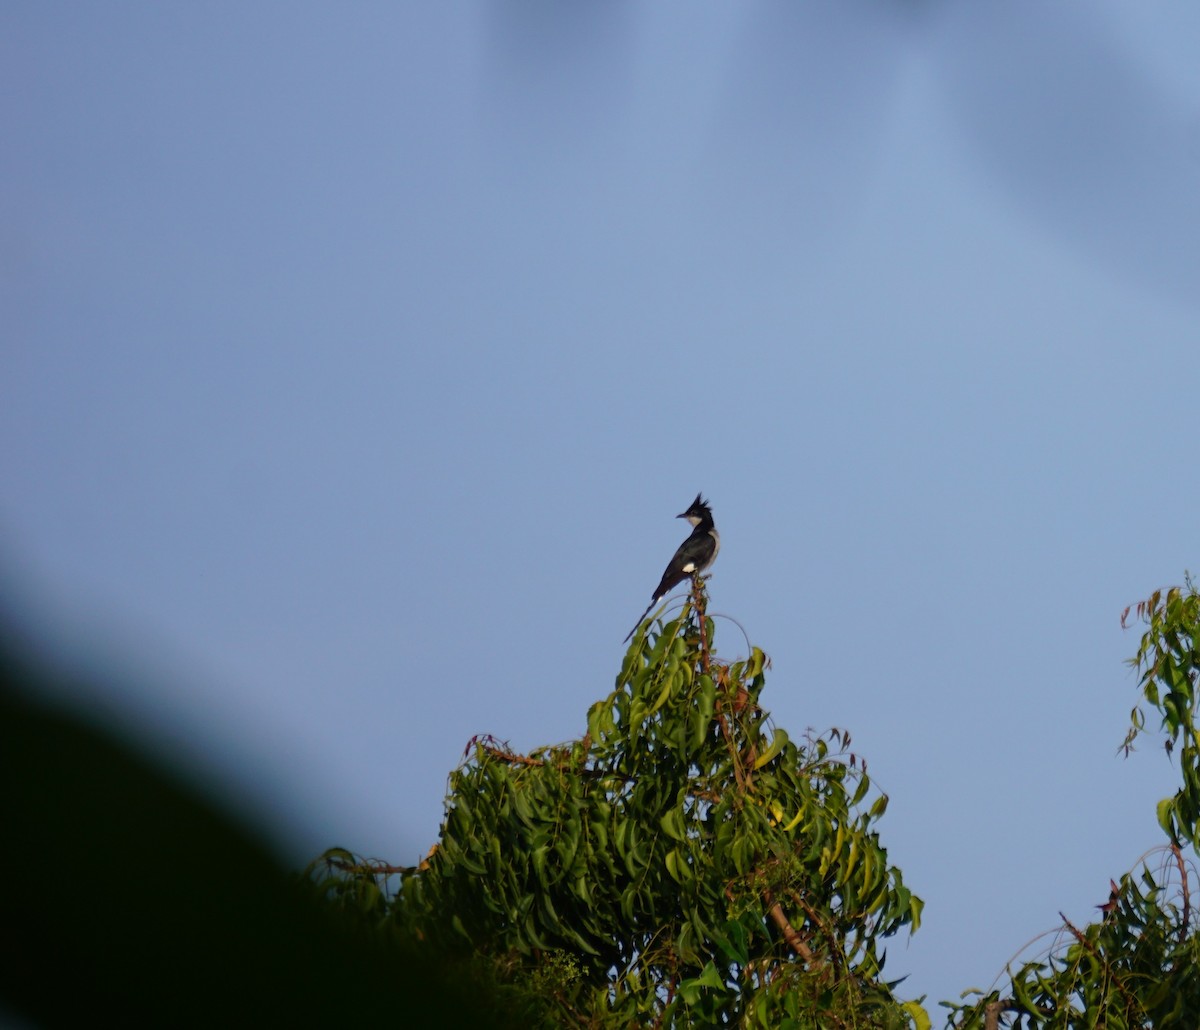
695	554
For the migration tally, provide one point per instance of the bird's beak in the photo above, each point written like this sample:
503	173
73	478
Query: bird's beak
682	515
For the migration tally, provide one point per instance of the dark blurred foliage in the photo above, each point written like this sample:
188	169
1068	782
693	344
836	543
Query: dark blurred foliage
127	896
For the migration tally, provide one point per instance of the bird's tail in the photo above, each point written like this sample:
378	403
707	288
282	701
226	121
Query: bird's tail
641	619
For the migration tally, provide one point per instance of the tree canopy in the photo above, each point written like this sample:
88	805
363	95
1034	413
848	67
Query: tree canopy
686	863
1138	964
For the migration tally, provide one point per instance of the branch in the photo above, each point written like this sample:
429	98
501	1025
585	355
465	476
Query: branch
992	1010
1183	885
831	941
794	940
700	603
505	755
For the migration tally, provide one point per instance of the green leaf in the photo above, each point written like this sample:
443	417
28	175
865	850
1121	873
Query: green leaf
1165	812
778	741
710	977
672	675
734	943
672	825
538	857
702	717
673	865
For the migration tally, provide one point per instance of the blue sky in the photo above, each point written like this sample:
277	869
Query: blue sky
357	359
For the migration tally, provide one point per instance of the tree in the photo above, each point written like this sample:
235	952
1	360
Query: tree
685	863
1138	965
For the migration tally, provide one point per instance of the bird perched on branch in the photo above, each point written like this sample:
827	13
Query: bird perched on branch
695	554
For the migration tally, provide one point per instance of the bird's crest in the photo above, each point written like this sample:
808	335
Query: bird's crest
698	507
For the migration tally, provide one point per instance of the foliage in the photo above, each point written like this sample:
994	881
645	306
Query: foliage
1139	964
1169	661
686	863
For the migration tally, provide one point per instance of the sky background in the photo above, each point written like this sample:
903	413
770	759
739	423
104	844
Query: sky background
356	360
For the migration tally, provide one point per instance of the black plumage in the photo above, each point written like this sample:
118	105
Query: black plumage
695	554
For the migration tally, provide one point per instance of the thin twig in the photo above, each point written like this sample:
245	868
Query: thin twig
374	868
1090	948
1183	885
